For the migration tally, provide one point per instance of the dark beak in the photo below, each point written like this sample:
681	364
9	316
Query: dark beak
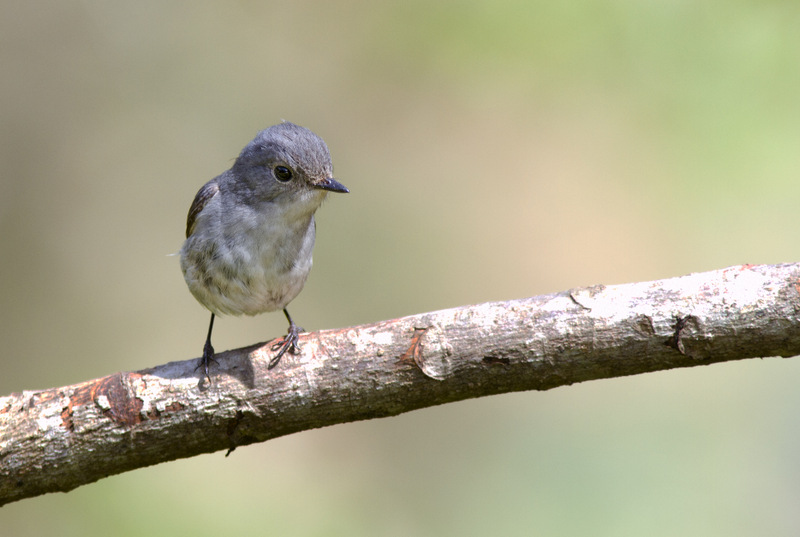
332	185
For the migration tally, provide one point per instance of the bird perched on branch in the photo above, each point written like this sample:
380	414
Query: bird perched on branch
250	231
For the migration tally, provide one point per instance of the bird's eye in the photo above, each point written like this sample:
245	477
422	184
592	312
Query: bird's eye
283	174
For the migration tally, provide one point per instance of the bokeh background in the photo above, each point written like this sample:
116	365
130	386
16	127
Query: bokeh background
494	150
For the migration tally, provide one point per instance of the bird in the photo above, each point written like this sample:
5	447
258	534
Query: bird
250	231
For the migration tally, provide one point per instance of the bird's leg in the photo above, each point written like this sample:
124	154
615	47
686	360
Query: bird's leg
288	343
208	351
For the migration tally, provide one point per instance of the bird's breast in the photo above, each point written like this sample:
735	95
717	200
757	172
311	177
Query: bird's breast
258	265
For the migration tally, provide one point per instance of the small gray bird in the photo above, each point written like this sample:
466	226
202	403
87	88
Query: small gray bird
250	231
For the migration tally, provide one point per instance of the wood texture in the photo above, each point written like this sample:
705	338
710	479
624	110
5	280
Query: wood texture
60	438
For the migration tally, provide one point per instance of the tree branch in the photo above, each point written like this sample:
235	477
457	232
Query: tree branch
61	438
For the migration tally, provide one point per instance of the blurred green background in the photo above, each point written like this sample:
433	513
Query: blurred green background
494	150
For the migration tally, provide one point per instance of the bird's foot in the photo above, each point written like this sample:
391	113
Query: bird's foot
208	357
290	342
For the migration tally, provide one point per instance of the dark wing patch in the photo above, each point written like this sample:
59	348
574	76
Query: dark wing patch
208	191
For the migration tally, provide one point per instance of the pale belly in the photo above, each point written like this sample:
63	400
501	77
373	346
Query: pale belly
251	276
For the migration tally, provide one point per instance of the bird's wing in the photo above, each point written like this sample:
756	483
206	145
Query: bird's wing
208	191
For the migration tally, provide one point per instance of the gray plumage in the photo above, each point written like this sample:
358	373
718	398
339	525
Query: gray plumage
250	231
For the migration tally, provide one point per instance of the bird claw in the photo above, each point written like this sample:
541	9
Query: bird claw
208	357
290	342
